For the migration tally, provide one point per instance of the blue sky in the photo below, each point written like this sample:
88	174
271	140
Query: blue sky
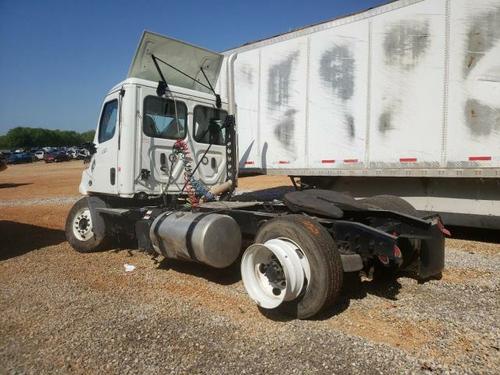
58	58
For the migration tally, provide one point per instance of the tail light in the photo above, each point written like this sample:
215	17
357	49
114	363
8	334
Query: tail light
397	252
443	230
384	259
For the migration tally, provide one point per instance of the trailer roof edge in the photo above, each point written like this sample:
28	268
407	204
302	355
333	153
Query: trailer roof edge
323	25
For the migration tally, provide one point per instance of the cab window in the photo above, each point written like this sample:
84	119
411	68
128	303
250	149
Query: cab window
107	125
164	118
208	122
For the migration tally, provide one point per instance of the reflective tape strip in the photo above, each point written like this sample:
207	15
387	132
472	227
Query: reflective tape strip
328	161
350	160
479	158
407	160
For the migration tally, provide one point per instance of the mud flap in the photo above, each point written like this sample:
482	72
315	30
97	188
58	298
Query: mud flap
432	254
98	223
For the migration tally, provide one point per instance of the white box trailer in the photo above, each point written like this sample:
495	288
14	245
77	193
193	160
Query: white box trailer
402	99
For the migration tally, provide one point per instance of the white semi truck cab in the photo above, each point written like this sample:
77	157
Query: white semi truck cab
164	172
138	128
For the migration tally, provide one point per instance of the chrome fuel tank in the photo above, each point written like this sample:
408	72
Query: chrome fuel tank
208	238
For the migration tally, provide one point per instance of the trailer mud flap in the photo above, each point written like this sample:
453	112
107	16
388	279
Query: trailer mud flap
432	254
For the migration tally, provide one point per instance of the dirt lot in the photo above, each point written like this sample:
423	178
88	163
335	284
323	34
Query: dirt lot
67	312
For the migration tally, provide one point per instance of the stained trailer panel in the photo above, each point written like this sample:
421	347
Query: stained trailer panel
407	80
337	96
411	88
474	83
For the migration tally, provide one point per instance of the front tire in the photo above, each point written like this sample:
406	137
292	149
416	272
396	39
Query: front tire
81	230
324	281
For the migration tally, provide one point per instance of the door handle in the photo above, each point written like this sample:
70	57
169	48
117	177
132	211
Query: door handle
112	176
214	163
163	162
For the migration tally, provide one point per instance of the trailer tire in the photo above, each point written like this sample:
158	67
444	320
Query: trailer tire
324	259
85	232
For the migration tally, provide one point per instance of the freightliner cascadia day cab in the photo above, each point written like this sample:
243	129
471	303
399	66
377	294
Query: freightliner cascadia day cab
402	98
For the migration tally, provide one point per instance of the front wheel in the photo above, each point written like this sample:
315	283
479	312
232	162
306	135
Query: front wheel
293	267
81	229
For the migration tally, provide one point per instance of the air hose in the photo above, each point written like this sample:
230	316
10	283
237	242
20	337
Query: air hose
195	189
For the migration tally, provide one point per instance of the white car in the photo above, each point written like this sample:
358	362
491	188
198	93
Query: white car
83	153
39	154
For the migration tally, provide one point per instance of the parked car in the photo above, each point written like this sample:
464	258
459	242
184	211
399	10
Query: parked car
3	163
54	157
72	153
20	157
82	154
39	154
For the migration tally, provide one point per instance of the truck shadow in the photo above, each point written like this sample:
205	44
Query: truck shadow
226	276
474	234
355	288
13	185
19	238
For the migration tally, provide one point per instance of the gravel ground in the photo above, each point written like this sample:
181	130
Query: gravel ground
84	313
38	201
65	312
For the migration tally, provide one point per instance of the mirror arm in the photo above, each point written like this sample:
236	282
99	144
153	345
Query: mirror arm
162	85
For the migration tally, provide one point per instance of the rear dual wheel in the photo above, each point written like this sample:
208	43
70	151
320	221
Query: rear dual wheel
293	267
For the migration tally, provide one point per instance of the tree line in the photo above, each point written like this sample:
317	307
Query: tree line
25	137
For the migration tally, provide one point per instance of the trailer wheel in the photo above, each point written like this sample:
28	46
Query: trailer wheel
293	267
81	230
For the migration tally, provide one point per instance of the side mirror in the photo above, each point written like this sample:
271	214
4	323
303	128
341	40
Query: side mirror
161	89
214	131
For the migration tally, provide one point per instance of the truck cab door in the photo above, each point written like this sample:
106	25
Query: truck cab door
164	121
208	143
103	166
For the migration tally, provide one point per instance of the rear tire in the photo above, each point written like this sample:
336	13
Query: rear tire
318	246
80	229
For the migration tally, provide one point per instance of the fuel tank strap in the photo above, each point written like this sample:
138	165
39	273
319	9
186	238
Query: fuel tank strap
189	235
156	228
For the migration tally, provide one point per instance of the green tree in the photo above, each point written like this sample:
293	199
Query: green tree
26	137
88	136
